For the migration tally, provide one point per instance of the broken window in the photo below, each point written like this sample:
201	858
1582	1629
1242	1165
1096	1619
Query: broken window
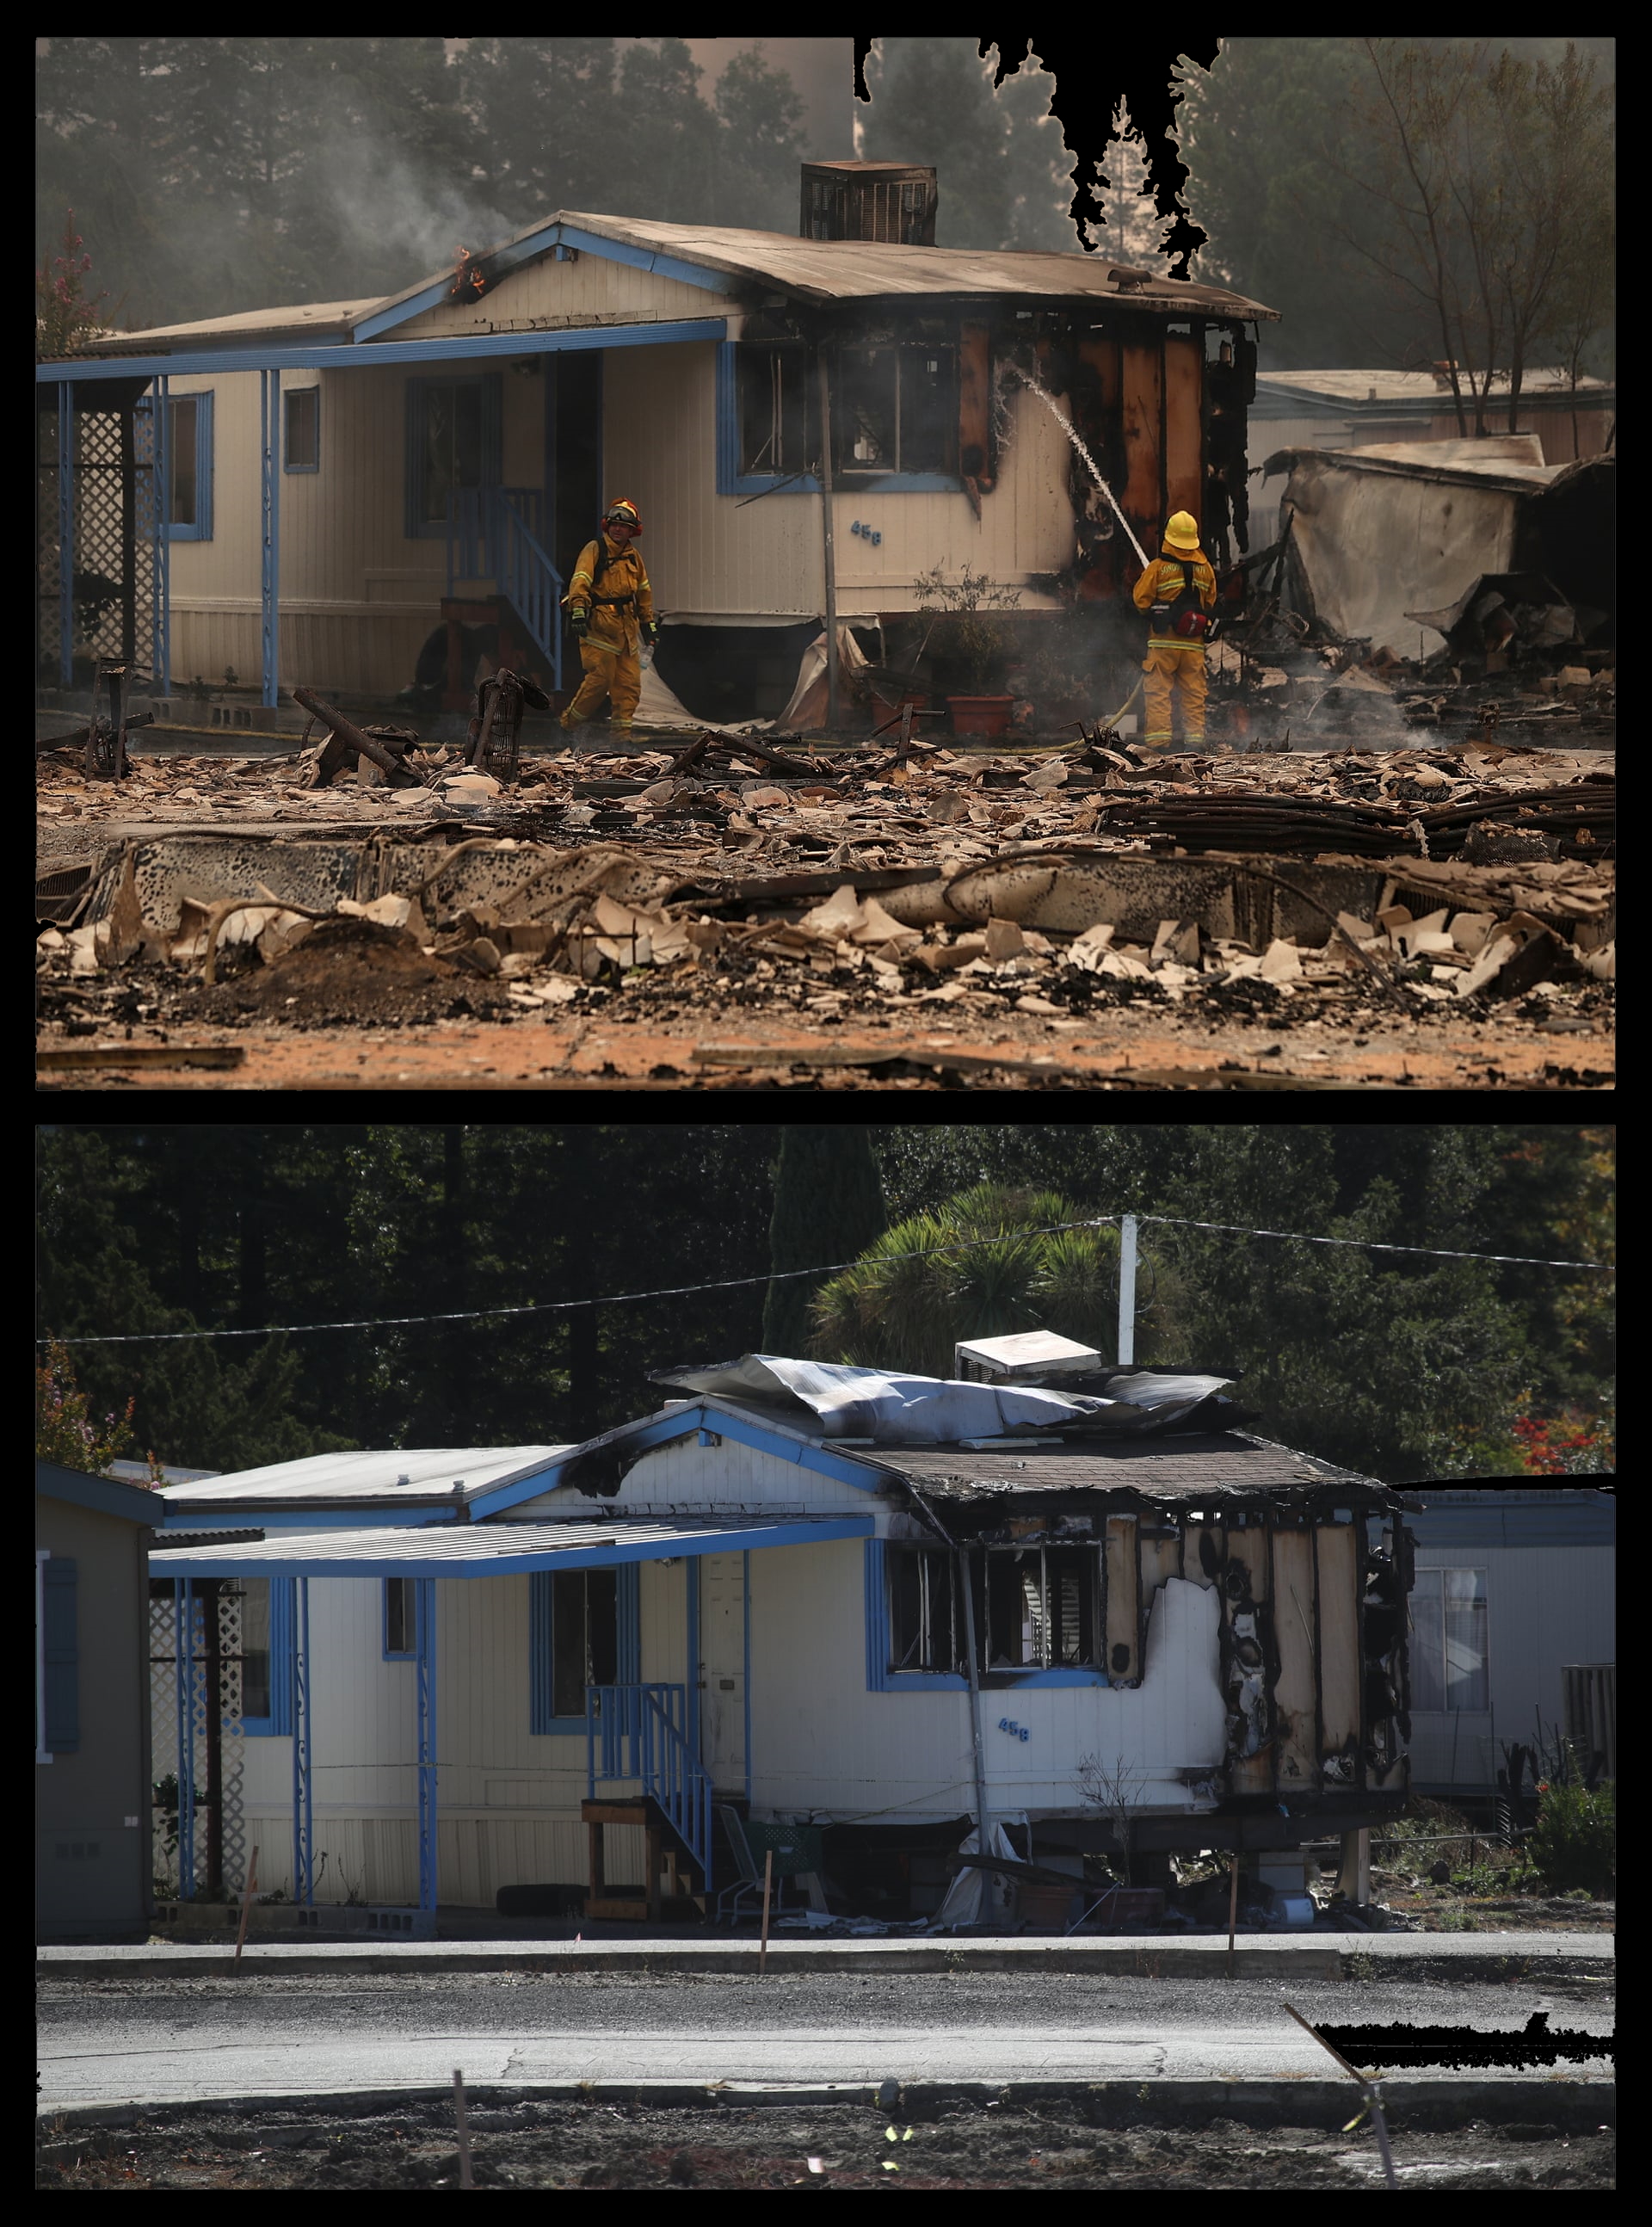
896	409
1449	1668
776	410
925	1615
1043	1608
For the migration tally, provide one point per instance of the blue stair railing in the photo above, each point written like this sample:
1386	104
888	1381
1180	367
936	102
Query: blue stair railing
642	1732
494	533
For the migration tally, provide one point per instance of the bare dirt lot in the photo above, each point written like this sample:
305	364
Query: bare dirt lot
949	2146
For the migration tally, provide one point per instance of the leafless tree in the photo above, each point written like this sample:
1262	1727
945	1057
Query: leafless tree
1112	1788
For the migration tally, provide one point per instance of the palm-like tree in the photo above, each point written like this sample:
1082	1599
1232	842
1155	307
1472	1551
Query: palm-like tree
906	1303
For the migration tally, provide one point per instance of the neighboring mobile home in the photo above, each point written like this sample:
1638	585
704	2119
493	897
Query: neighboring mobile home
92	1726
764	1596
343	477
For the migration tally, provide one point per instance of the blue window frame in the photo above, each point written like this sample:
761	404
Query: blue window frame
301	442
454	444
401	1619
267	1667
895	418
190	467
583	1629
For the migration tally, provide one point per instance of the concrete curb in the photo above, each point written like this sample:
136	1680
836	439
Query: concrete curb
1349	1957
1569	2104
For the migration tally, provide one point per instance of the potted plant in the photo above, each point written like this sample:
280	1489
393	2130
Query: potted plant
971	642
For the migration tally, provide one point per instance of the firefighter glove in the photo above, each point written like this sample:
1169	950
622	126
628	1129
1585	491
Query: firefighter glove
580	621
651	631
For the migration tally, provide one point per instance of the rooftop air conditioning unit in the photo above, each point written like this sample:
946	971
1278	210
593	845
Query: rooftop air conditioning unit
1030	1356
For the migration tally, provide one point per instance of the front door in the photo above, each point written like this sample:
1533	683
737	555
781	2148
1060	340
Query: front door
723	1670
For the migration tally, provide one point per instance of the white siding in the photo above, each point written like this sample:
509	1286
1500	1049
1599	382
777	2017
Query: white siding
1545	1607
689	1478
821	1741
731	554
544	294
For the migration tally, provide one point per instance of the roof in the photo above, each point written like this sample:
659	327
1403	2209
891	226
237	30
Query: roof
1401	460
1417	387
808	270
137	1472
431	1480
1476	1517
498	1549
1198	1467
105	1496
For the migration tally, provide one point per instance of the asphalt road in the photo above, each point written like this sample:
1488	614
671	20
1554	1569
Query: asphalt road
156	2041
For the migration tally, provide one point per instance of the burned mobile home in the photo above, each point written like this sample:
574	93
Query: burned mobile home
884	1606
364	494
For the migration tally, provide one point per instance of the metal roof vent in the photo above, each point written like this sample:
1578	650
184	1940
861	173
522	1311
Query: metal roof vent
1031	1354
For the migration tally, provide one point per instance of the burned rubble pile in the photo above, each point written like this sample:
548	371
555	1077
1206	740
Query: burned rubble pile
1346	887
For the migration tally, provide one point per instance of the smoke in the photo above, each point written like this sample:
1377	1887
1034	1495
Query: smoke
396	223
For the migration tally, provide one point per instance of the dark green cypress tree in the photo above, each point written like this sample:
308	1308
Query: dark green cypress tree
828	1204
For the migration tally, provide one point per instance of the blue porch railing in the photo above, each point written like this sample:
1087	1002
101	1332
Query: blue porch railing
495	533
642	1732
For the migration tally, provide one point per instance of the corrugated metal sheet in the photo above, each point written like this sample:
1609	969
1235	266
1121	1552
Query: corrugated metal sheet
358	1480
1584	1516
481	1550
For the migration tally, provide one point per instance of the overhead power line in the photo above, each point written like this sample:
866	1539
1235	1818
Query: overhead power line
826	1269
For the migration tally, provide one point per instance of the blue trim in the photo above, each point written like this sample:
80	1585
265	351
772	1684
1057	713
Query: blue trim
517	252
746	1682
424	1612
65	528
163	614
452	349
730	479
202	528
400	1654
278	1723
490	463
287	465
303	1838
541	1616
692	1581
107	1495
746	1433
269	538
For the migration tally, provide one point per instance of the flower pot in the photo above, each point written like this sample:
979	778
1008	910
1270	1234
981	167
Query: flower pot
979	715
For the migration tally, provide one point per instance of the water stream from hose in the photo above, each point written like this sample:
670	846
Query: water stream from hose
1048	401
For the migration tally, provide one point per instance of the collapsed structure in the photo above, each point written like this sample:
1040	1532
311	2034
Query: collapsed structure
882	1607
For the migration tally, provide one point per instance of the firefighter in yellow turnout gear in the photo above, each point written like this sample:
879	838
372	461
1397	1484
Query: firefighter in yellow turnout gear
611	608
1179	589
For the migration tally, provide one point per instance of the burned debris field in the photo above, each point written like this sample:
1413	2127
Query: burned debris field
954	2144
736	911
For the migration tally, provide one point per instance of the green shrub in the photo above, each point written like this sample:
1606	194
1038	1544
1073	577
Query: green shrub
1574	1841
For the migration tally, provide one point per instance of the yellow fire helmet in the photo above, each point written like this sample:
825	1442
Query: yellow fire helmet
1182	532
628	510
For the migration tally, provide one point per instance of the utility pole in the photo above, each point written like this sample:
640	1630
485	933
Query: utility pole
830	557
1127	1293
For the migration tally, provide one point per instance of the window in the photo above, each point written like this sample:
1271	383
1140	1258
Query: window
266	1654
1448	1640
896	410
926	1617
777	411
190	467
401	1624
302	448
1036	1607
453	446
582	1630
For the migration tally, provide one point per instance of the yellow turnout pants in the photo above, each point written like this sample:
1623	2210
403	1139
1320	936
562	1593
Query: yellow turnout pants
612	669
1167	670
